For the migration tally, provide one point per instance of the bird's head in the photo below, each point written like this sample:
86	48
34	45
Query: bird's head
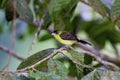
55	32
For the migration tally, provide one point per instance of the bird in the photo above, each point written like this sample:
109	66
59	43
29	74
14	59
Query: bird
67	38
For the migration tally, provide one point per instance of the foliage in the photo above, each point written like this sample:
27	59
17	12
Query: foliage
64	15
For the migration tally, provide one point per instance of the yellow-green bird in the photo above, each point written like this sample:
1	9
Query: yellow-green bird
67	38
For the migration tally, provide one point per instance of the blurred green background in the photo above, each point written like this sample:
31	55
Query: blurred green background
22	42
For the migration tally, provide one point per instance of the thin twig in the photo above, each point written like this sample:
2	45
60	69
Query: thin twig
13	34
98	53
48	57
81	65
85	2
12	53
100	57
39	24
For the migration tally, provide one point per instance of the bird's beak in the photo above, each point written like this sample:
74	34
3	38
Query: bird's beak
53	34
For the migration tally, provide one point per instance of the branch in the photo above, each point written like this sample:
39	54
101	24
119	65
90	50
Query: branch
98	53
81	65
39	25
85	2
100	60
9	51
95	53
48	57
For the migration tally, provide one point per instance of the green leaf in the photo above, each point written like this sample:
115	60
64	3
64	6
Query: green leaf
102	75
9	10
101	31
44	37
100	7
79	59
87	59
57	68
24	11
42	10
72	69
36	58
113	36
45	76
34	74
3	3
42	7
56	7
61	11
115	12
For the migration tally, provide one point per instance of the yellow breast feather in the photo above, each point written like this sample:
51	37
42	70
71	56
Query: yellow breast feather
66	42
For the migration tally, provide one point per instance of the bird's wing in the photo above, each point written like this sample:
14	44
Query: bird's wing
68	36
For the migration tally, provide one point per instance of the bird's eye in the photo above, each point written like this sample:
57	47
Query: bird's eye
56	31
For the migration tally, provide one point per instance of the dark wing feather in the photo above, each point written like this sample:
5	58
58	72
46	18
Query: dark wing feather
68	36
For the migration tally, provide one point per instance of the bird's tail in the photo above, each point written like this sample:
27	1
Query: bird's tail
84	42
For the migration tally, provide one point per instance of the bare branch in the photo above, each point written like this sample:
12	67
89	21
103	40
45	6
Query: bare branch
13	35
9	51
81	65
99	59
99	55
85	2
39	24
48	57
